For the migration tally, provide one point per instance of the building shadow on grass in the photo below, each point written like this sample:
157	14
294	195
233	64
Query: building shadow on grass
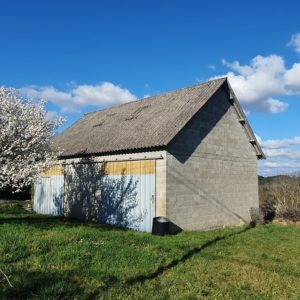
162	269
114	283
185	257
41	282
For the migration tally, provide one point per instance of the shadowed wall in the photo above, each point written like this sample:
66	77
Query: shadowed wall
211	170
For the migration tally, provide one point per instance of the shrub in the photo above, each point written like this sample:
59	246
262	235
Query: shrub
281	196
286	191
267	202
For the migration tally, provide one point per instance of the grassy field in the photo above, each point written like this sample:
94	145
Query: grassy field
47	257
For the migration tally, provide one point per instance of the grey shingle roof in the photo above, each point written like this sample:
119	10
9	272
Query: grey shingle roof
147	123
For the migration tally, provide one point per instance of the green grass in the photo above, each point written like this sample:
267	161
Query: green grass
46	257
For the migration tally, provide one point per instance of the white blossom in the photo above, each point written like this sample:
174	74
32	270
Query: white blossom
25	135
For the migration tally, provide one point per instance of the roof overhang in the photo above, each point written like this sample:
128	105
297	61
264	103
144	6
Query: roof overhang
243	120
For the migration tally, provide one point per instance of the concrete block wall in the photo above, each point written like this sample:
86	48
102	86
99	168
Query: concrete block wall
211	170
161	187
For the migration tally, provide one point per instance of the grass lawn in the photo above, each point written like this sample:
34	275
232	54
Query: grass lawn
47	257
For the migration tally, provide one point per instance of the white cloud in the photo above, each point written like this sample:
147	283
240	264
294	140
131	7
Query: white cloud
284	152
280	167
274	106
292	79
102	95
243	70
283	156
276	144
259	84
295	42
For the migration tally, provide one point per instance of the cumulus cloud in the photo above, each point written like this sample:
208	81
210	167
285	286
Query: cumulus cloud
259	83
295	42
292	79
102	95
273	105
283	156
277	144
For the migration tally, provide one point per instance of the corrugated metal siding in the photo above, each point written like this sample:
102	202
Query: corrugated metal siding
132	184
117	193
49	192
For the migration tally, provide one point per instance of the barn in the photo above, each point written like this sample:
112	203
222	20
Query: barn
189	155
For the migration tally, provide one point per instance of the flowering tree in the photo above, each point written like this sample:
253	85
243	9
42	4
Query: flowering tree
25	135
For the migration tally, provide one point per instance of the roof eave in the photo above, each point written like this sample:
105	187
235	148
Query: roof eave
114	152
243	120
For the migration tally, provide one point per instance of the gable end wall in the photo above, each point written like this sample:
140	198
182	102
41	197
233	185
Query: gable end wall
211	170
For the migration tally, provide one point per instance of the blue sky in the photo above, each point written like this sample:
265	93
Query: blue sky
86	55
